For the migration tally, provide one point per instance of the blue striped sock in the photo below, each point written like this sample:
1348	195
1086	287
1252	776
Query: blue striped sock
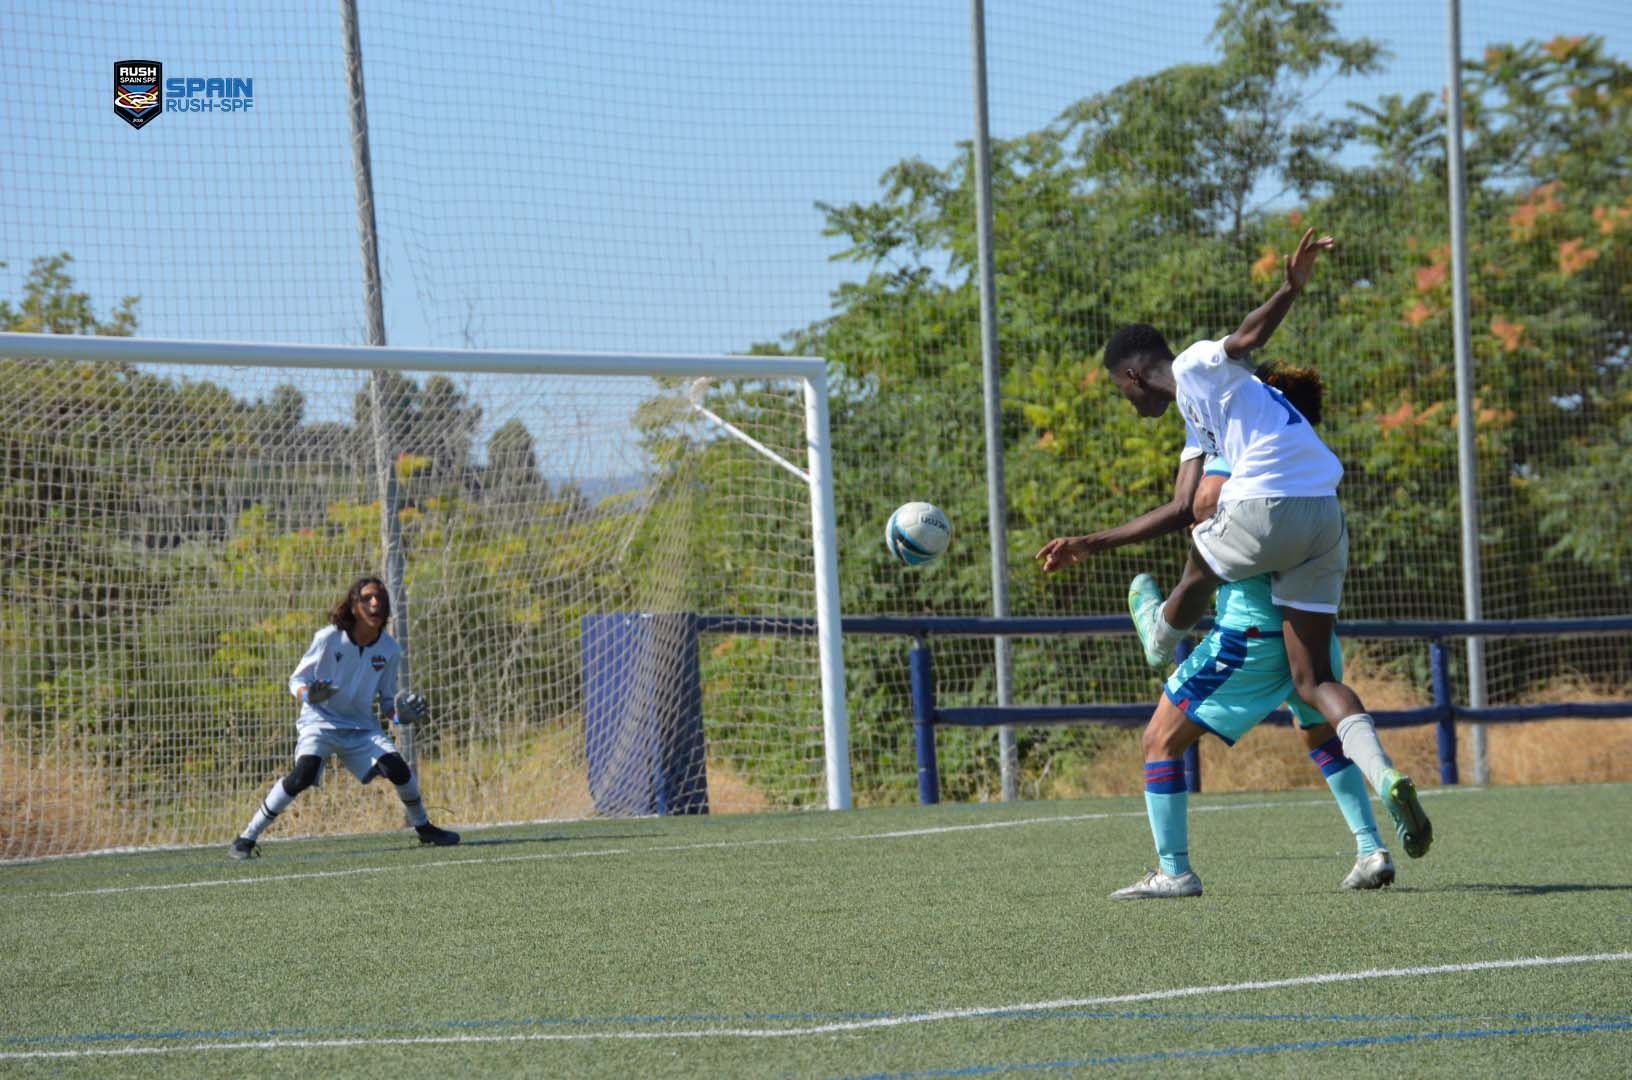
1349	789
1167	803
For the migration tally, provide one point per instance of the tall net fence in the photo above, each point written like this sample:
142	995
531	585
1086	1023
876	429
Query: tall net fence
654	178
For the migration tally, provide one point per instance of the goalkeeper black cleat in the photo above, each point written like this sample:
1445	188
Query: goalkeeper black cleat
430	834
243	848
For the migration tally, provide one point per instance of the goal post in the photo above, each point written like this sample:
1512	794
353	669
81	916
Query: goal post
181	514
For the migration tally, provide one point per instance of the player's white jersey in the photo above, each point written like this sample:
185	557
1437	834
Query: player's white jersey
360	675
1273	451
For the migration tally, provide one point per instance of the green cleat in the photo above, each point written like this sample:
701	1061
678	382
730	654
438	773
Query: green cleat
1399	797
1144	603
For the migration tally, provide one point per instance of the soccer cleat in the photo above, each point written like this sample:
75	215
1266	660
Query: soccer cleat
1156	885
1399	797
243	848
430	834
1144	604
1371	871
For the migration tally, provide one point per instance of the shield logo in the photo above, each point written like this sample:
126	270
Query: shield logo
138	91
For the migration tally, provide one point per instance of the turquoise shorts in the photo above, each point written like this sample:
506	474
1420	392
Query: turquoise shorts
1235	678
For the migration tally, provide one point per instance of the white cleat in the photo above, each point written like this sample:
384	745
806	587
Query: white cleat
1144	604
1372	871
1156	885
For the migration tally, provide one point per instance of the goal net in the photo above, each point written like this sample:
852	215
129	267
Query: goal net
178	519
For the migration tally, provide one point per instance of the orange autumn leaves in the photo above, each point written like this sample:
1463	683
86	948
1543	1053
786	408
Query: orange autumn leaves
1543	206
1407	416
1430	279
1541	215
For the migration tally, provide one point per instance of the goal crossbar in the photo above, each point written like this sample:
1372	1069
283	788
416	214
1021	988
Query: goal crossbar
404	358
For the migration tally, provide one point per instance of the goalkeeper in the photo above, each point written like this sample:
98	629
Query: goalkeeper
348	666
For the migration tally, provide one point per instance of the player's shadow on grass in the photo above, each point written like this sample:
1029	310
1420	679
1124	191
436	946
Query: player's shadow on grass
1535	890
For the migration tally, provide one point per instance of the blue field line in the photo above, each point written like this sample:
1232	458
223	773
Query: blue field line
364	1030
1356	1042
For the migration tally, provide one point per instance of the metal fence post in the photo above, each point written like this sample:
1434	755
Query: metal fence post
923	722
1467	446
992	382
1439	663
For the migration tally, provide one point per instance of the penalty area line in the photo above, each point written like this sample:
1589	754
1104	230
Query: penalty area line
841	1027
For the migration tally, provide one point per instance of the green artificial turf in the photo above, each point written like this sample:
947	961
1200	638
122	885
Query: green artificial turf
823	945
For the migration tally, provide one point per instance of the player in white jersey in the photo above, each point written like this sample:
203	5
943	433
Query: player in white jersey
350	666
1236	676
1278	515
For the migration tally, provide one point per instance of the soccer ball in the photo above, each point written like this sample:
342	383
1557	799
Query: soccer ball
917	533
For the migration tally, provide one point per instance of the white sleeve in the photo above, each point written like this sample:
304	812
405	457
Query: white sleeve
1192	449
308	663
388	684
1205	370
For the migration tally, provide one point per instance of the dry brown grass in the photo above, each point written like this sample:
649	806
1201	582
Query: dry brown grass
51	804
1274	759
56	803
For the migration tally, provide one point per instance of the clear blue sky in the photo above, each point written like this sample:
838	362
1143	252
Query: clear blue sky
602	176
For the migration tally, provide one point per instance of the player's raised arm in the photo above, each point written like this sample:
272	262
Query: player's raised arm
1261	323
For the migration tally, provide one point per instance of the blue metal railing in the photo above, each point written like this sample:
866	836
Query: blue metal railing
1444	712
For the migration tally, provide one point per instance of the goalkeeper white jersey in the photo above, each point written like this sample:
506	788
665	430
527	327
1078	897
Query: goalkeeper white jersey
1272	450
361	675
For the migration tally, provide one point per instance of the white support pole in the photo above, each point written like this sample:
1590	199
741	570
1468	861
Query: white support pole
992	377
829	631
1467	457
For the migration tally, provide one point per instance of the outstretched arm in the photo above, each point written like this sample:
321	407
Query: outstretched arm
1300	267
1066	551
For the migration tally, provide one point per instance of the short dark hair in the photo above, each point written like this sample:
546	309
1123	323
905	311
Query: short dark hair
342	615
1301	386
1134	341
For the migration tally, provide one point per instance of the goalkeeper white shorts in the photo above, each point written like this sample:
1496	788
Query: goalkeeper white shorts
357	749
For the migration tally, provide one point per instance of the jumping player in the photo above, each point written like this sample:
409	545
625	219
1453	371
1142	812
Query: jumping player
1278	515
1235	677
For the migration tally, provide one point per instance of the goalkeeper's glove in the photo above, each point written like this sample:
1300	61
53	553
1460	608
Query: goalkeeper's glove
320	691
412	708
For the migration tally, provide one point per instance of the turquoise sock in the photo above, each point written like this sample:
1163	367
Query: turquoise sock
1348	786
1167	803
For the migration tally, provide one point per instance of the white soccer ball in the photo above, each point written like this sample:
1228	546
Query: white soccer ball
917	533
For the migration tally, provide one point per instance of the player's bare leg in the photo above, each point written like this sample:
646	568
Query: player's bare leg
1308	654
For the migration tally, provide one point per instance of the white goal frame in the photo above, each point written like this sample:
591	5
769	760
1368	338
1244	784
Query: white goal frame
811	371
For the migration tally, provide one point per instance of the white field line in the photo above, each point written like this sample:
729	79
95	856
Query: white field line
894	834
146	849
844	1026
